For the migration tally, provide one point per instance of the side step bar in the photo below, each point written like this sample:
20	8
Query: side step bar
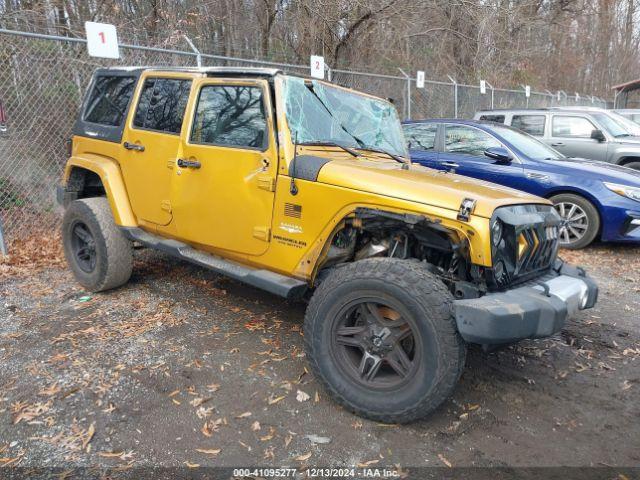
287	287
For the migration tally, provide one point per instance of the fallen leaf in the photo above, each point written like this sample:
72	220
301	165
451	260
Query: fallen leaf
366	464
302	458
302	396
273	400
90	433
244	415
110	454
192	465
210	451
317	439
444	460
255	426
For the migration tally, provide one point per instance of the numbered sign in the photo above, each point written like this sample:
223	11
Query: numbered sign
317	67
102	40
527	91
420	79
483	87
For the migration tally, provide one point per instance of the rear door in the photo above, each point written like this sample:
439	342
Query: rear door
224	173
422	141
151	144
463	153
534	125
571	136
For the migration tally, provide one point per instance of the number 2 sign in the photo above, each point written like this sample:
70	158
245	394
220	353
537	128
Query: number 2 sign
317	67
102	40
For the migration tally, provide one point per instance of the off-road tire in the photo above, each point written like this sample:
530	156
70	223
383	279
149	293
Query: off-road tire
427	299
592	215
113	251
634	165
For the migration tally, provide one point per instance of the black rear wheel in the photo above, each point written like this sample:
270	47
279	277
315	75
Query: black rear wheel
97	252
381	336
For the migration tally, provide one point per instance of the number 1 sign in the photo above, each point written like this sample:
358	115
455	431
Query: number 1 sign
102	40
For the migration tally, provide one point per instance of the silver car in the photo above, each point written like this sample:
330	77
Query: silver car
583	133
632	114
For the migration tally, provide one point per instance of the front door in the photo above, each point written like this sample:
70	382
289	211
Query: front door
224	176
463	153
151	144
571	136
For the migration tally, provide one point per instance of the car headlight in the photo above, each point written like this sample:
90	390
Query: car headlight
630	192
496	232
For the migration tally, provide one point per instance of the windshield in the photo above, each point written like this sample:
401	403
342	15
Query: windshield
610	125
317	112
630	126
527	144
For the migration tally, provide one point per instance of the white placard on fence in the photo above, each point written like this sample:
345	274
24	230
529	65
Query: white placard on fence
420	79
317	66
483	87
102	40
527	91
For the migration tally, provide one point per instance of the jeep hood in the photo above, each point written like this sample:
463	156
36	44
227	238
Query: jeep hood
421	185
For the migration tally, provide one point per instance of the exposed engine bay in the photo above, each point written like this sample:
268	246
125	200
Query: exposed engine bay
525	246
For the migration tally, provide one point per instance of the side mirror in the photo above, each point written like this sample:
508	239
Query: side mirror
500	154
598	135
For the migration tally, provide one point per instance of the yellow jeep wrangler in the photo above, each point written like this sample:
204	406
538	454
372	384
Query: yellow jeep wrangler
305	189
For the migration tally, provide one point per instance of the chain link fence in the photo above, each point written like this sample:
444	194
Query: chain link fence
42	82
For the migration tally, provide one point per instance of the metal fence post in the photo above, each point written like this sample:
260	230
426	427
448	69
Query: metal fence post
491	87
195	50
455	96
3	245
407	107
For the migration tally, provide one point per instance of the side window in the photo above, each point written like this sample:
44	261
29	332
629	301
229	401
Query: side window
109	99
531	124
162	104
421	136
230	116
492	118
578	127
467	140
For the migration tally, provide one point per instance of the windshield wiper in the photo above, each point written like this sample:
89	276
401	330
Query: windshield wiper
622	135
397	158
323	143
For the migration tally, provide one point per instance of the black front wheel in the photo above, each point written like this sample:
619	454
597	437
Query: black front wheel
380	335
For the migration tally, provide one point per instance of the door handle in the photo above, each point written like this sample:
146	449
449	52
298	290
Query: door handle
182	163
558	144
450	164
133	146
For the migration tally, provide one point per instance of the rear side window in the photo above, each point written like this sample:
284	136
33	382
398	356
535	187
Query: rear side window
493	118
109	99
421	136
230	116
531	124
577	127
162	104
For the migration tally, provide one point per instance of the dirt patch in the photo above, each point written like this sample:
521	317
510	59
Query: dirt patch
182	367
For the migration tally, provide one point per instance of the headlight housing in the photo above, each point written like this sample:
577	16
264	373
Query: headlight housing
630	192
496	232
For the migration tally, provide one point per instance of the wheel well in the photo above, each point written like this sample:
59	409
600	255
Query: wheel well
376	233
85	183
626	160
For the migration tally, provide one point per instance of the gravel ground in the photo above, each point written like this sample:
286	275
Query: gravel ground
184	368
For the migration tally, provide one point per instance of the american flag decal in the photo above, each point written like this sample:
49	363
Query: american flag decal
291	210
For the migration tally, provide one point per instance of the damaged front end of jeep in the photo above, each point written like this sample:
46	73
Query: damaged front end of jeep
527	292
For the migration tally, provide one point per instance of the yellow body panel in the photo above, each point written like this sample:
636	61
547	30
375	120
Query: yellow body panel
109	172
238	204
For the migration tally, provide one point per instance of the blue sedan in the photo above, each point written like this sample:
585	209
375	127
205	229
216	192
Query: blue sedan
594	199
